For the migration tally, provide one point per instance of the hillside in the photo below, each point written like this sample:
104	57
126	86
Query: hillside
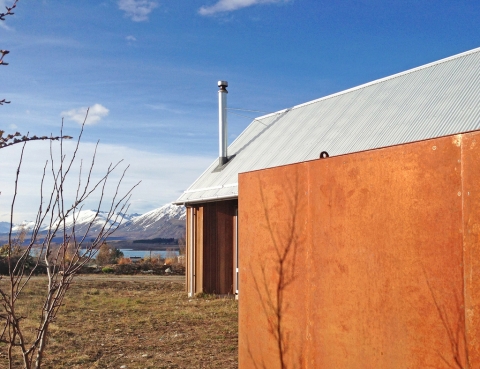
166	221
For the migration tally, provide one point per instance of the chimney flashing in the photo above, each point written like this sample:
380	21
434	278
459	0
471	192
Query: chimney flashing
223	164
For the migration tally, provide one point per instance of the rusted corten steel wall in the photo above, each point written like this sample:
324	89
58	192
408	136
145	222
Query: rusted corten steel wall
213	234
368	260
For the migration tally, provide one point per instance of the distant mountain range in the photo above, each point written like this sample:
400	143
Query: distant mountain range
167	221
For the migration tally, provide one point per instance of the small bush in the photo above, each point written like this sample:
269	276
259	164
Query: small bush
108	255
171	258
107	270
181	259
126	269
124	261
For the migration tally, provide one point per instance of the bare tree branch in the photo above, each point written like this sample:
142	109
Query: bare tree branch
9	10
62	261
5	52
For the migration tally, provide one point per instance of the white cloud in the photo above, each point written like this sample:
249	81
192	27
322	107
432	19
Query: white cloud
164	107
130	38
138	10
4	26
223	6
95	113
164	175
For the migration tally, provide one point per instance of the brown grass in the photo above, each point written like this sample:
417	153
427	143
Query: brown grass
136	321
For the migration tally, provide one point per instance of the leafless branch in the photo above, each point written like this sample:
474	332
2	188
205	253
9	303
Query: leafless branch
12	139
62	261
9	10
5	52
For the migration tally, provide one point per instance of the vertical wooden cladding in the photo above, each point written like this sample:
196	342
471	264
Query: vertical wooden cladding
218	244
194	250
199	213
225	246
188	238
214	246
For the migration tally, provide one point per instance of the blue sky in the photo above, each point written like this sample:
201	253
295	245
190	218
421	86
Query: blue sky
149	71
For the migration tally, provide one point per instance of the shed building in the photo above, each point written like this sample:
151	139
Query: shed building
430	101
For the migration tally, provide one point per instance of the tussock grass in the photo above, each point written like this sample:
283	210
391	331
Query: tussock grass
137	321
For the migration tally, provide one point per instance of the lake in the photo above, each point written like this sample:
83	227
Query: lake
129	253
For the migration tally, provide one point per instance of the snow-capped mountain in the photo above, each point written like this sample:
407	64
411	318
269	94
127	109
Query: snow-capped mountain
82	220
166	221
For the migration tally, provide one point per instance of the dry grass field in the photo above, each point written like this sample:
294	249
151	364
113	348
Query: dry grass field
136	322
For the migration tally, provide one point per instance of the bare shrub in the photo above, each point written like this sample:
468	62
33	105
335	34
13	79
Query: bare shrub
170	257
56	217
124	261
108	254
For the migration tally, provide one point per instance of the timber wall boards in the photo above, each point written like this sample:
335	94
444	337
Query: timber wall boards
368	260
213	235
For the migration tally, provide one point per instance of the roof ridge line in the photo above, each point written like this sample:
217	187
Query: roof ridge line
376	81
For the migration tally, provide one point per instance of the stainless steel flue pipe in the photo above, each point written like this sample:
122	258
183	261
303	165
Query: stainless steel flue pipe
222	123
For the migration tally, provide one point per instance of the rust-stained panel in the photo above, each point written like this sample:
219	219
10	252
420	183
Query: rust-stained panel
375	276
272	254
471	219
389	252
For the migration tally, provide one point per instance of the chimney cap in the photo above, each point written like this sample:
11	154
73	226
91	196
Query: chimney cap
222	84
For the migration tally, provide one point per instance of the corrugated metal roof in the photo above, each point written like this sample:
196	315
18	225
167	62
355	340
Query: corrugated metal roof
434	100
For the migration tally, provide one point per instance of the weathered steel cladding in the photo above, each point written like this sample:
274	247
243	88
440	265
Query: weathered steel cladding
431	101
471	235
214	246
384	267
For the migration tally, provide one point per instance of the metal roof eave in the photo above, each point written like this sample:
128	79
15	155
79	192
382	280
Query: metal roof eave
207	199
